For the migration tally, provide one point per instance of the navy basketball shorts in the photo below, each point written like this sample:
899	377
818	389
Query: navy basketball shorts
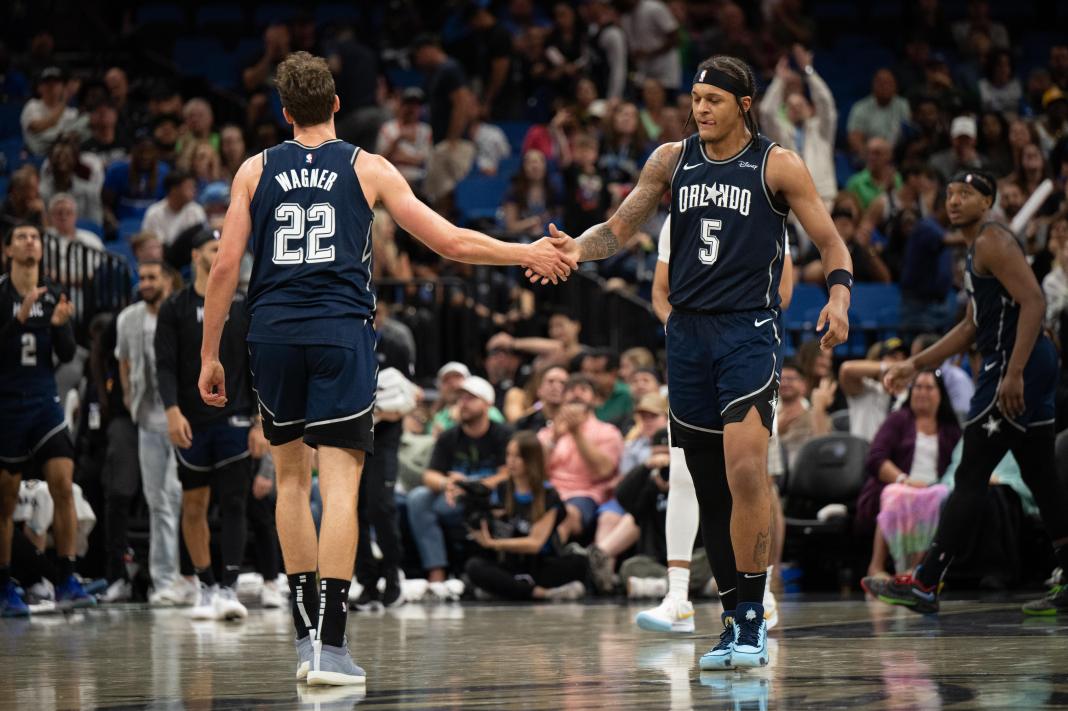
719	367
214	447
1040	390
32	427
325	394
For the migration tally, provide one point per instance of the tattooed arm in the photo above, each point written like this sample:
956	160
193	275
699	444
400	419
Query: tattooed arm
603	240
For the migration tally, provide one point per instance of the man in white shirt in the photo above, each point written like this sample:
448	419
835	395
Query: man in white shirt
406	141
47	118
861	383
177	211
653	38
63	217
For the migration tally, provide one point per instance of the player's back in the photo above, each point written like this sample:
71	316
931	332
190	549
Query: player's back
727	232
311	244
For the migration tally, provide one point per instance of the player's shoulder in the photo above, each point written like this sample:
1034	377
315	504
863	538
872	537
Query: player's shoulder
995	237
665	159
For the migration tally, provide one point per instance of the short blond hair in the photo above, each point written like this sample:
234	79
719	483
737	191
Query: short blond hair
306	87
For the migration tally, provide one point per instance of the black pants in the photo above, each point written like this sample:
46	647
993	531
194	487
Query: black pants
378	509
121	479
261	518
518	584
28	565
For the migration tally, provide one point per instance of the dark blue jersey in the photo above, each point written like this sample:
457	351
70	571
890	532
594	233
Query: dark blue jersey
311	245
728	234
27	349
993	310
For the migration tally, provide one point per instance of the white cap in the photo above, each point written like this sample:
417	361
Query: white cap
963	126
480	388
453	367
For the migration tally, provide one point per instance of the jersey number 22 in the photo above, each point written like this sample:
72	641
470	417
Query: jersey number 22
319	219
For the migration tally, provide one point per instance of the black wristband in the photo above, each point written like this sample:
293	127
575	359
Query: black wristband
840	276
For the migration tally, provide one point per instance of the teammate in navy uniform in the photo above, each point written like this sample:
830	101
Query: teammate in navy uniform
34	326
731	190
1013	407
307	203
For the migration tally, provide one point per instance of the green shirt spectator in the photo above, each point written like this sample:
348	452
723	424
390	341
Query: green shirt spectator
619	406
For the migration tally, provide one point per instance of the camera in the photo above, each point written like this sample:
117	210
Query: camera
477	501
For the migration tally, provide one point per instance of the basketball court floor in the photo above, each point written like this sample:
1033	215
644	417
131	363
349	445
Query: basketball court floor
826	654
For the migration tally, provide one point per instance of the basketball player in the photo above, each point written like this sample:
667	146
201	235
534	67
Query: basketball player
1014	403
675	612
307	203
34	326
731	190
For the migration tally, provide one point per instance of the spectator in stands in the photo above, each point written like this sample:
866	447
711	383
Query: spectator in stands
166	132
1000	90
927	272
198	124
23	201
654	101
135	350
48	117
633	359
1052	126
650	416
81	177
901	498
911	70
489	49
474	450
177	211
1055	284
963	132
520	557
939	86
878	176
1021	133
504	373
801	419
613	403
565	49
232	151
789	25
203	163
560	348
130	186
925	134
994	144
63	225
586	196
860	382
878	115
608	49
583	457
1010	201
146	247
817	364
406	141
623	150
491	145
105	141
276	44
450	382
895	213
550	396
532	201
1032	171
644	381
868	266
979	19
388	260
957	380
118	88
798	124
653	40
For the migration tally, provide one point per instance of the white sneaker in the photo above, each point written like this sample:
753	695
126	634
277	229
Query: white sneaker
181	592
271	597
574	590
204	609
42	591
771	609
227	606
447	591
119	591
282	584
646	587
415	589
671	615
355	590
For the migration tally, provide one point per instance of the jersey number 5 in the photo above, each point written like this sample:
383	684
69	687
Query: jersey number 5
710	253
29	350
293	218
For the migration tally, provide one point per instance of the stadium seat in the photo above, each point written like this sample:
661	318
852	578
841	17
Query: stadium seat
876	306
4	182
840	421
205	57
516	131
403	78
128	227
805	305
12	153
478	197
509	166
10	119
160	14
221	16
268	14
828	470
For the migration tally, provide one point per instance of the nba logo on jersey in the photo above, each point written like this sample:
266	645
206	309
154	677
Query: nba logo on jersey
308	158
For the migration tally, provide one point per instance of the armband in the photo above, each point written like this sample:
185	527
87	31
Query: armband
840	276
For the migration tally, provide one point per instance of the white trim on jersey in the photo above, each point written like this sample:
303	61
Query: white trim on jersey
341	419
312	148
774	362
736	156
764	182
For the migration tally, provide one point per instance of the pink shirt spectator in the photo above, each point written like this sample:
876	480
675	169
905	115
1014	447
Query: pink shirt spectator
569	472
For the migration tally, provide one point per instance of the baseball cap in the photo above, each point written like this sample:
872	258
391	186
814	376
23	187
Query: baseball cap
480	388
215	192
654	403
453	367
963	126
51	74
891	346
204	236
413	94
1052	94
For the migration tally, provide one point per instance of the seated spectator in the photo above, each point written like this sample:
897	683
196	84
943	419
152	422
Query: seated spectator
958	381
105	141
623	150
583	457
612	396
878	176
878	115
650	416
520	556
645	381
634	359
131	185
654	101
63	221
994	144
560	348
586	196
80	177
861	382
405	141
532	201
491	145
474	450
550	396
450	382
927	272
48	117
1000	90
146	247
962	154
979	19
198	125
1055	284
868	266
177	211
552	139
902	497
202	162
894	214
565	48
167	132
1052	126
23	201
926	134
799	420
505	373
388	261
232	150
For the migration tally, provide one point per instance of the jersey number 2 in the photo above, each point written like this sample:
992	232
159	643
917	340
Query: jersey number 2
294	219
710	253
29	350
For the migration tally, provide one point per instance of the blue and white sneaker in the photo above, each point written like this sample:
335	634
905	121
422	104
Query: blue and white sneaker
333	666
751	642
721	656
304	656
71	595
11	602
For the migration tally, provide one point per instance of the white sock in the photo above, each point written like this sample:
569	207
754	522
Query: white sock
679	583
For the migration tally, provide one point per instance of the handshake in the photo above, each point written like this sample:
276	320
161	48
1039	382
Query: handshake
552	258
